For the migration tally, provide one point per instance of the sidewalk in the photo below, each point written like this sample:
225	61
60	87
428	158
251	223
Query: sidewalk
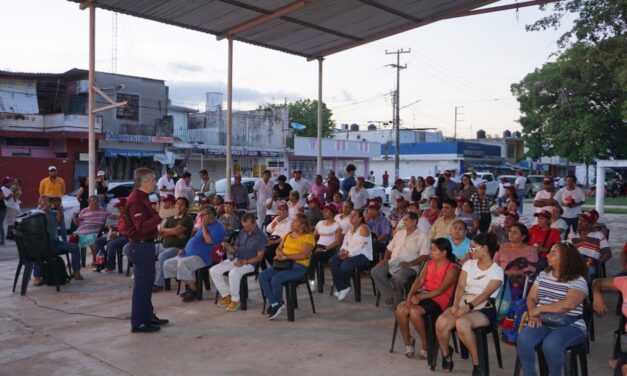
348	338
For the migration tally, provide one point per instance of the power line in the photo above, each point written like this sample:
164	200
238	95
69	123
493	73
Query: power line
397	97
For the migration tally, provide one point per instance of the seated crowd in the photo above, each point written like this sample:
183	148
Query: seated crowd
446	250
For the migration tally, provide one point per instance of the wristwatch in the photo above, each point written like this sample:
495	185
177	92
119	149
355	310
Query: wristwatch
471	306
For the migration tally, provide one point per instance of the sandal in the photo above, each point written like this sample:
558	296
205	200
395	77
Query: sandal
447	361
423	355
410	350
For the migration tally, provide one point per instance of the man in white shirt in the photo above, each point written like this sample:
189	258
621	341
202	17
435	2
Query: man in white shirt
262	192
571	197
183	187
399	190
165	185
402	257
519	184
502	186
544	200
475	179
298	183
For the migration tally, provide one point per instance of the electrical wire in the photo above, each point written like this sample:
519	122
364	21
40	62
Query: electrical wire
74	313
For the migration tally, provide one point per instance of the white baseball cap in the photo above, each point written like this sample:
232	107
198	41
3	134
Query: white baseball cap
100	173
51	168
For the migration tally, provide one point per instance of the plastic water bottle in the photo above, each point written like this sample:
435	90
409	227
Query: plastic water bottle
100	261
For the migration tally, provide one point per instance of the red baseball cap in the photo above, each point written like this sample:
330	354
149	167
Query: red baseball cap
230	202
429	180
168	198
332	208
373	205
399	198
591	215
6	179
206	201
545	213
399	181
121	202
515	216
548	180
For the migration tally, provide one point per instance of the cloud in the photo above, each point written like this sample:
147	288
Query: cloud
179	66
195	92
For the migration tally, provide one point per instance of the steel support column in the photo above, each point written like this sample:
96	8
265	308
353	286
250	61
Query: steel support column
229	118
91	100
319	140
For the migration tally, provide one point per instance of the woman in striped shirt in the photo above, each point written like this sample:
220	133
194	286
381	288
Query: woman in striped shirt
555	305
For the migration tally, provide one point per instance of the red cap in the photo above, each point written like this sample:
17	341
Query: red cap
230	202
121	202
399	181
545	213
430	180
460	199
548	180
481	185
282	204
6	179
400	198
373	205
314	199
206	201
513	215
361	178
591	215
168	198
503	179
330	207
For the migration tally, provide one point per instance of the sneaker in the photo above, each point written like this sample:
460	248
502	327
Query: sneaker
224	302
313	284
37	281
342	294
336	293
107	271
77	276
278	311
233	306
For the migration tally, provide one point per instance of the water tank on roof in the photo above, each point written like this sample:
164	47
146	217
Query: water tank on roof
480	133
372	127
507	134
517	134
344	127
213	101
354	127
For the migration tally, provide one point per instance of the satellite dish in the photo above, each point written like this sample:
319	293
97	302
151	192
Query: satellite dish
298	126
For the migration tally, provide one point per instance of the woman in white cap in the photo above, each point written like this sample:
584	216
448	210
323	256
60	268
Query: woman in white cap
102	186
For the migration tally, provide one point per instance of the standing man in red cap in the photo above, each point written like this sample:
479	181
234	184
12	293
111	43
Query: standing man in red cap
142	222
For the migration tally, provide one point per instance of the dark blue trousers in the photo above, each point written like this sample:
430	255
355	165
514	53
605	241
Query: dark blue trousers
142	255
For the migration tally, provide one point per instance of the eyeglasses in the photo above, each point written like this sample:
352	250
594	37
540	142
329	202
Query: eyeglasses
475	249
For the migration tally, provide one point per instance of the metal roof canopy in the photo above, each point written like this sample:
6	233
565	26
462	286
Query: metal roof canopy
307	28
312	29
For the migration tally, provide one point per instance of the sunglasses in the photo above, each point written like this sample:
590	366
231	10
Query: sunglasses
475	249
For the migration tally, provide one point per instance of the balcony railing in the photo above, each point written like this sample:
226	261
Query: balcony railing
213	137
47	123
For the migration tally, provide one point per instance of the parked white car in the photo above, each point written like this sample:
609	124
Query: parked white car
537	183
492	185
117	189
528	187
373	190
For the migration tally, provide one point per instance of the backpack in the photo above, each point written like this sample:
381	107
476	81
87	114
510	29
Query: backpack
54	267
512	323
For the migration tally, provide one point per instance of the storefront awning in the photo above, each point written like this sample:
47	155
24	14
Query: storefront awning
130	153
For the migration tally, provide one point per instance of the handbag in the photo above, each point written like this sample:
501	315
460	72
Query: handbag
467	298
282	264
556	320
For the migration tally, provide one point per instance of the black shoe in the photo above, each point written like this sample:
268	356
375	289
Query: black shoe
272	310
156	288
145	328
447	361
476	371
158	322
189	297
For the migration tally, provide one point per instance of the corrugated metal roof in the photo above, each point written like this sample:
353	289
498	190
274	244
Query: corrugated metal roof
316	29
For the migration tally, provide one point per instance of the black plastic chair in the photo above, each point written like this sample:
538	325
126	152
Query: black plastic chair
243	288
291	297
200	275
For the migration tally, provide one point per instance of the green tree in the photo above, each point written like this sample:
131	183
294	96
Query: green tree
595	20
575	107
305	111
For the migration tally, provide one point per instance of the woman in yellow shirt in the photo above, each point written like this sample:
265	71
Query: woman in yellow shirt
294	253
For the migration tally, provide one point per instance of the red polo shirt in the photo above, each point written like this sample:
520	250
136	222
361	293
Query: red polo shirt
542	238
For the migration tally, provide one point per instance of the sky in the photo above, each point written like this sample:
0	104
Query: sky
467	62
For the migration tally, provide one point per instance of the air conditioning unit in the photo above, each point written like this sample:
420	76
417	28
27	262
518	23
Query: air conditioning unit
82	87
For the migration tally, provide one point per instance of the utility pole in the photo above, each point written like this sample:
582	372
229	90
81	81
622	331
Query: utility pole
457	114
397	118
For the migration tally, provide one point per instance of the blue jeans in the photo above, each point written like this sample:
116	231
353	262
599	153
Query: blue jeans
342	270
62	228
112	250
554	344
166	254
61	247
272	281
